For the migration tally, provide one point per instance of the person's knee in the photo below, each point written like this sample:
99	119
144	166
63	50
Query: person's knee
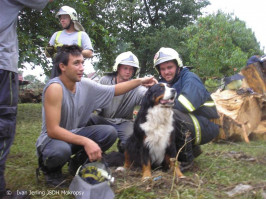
7	121
125	130
112	133
123	140
56	157
109	138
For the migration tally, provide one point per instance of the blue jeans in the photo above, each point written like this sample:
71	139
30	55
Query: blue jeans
124	129
56	153
8	112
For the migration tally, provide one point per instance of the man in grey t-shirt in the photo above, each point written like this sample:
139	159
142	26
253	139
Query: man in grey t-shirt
68	101
119	113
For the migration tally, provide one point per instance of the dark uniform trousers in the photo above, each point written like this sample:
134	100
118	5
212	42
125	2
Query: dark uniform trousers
8	111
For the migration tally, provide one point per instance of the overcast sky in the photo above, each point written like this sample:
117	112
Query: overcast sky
252	12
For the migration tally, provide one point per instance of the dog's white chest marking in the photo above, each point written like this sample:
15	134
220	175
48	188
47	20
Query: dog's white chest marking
158	128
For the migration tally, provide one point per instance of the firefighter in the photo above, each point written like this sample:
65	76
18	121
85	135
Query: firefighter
193	108
72	33
120	112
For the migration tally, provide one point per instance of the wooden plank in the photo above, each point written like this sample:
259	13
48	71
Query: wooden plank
239	114
255	77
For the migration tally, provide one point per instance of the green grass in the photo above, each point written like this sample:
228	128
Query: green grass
220	168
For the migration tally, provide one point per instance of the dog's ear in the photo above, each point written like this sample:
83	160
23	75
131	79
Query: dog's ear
147	99
151	96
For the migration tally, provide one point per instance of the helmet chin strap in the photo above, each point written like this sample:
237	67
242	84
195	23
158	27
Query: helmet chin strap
69	25
176	77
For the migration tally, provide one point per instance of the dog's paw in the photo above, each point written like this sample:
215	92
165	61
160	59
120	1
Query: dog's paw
181	177
120	169
146	178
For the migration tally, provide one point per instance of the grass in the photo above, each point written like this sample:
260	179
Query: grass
220	168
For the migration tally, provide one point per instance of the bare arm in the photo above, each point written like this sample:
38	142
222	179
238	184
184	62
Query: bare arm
126	86
87	53
52	106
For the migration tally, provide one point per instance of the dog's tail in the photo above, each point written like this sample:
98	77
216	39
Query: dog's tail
114	159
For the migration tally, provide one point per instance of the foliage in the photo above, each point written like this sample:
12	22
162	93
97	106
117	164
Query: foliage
218	170
142	25
34	82
219	45
35	29
213	84
113	26
216	45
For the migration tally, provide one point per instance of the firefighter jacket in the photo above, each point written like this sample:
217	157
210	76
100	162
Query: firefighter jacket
194	99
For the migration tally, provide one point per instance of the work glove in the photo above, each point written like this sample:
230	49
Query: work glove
50	51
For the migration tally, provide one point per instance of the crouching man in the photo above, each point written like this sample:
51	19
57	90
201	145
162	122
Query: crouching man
119	113
68	101
194	107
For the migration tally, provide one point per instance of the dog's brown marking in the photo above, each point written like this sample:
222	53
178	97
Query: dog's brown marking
157	100
167	159
146	171
127	160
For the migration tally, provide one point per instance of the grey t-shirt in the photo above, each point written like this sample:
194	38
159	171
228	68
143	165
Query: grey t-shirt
9	10
122	107
77	107
72	38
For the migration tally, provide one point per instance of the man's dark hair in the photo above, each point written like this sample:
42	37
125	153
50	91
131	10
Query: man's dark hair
63	53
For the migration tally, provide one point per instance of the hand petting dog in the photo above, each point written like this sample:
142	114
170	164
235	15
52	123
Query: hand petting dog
148	81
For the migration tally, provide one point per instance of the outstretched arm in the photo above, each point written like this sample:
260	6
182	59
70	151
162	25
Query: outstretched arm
126	86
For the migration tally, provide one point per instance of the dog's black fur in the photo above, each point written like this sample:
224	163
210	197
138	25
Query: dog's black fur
138	152
140	149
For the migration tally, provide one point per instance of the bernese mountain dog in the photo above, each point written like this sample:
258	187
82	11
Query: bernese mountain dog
153	141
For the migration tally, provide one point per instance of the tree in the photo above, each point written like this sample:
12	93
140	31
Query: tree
35	29
113	25
141	25
219	45
34	83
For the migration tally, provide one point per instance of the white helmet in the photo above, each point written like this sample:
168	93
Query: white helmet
166	54
66	10
126	58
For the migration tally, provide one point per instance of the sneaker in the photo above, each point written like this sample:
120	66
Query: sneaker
18	194
196	151
185	166
55	179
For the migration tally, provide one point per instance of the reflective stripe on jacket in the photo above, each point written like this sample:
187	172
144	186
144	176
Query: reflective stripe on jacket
194	99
